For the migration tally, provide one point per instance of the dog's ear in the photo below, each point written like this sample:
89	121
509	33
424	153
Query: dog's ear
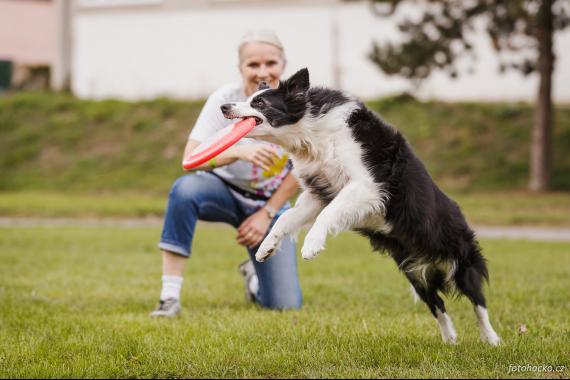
299	83
263	86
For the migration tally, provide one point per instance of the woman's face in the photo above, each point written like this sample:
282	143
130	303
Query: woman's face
260	62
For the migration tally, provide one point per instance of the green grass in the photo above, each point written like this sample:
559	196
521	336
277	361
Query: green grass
482	146
489	208
74	303
56	142
52	204
515	208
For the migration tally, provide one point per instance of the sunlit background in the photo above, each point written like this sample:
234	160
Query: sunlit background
141	49
97	98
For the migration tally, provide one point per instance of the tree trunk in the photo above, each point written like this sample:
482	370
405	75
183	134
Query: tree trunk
540	161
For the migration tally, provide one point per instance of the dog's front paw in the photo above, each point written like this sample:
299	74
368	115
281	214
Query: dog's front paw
313	245
267	248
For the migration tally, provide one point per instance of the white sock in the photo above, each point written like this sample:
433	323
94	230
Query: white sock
253	284
171	286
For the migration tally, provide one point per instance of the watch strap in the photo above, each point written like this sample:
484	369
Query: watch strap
270	211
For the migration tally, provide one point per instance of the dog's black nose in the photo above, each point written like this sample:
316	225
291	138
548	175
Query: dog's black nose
226	107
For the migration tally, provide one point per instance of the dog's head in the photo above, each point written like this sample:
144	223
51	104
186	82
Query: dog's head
273	108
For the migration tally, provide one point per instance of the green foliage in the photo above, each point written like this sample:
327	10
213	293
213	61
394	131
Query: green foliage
74	303
476	146
442	34
55	142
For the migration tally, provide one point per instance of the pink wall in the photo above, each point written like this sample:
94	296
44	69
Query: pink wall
27	31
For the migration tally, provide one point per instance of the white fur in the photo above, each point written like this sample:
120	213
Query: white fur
323	145
419	268
243	109
415	296
448	333
329	149
289	223
487	332
323	148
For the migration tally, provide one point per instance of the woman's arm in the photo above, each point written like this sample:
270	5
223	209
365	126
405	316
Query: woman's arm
254	228
284	192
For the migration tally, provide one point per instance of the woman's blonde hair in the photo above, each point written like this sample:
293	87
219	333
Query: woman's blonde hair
262	35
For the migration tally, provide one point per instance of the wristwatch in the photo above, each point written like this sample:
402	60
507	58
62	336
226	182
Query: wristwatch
270	211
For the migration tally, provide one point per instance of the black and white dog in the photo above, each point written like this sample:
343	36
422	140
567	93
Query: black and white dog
359	173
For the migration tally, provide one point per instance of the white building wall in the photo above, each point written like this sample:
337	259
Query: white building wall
146	52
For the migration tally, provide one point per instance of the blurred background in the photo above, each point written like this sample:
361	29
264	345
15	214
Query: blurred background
143	49
98	96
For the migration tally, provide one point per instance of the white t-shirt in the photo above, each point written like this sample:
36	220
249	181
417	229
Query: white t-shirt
242	174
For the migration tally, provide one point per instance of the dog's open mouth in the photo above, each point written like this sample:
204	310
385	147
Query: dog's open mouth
257	119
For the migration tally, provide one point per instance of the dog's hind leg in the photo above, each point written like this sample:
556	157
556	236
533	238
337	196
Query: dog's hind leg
469	281
487	332
426	280
426	288
305	210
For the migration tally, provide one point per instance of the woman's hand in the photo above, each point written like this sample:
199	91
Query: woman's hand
259	154
254	228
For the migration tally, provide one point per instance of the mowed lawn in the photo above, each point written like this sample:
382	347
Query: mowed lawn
481	208
74	302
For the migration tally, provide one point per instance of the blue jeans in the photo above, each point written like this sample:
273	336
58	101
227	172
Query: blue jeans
204	196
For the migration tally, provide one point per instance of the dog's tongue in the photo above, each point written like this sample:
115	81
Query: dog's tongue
219	143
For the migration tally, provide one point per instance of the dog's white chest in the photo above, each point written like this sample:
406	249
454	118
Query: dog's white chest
334	163
325	179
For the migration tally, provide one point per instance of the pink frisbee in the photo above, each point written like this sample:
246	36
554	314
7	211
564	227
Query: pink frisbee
238	130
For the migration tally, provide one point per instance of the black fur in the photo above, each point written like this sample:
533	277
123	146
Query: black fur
286	104
320	187
322	100
427	226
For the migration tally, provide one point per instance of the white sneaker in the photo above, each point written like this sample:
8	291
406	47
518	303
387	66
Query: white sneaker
169	308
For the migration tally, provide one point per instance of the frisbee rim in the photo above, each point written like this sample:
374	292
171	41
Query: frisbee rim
239	130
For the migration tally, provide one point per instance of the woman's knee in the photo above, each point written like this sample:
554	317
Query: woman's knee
279	280
187	188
